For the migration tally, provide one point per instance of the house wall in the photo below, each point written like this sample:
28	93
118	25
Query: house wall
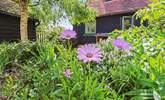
81	38
10	28
104	24
108	24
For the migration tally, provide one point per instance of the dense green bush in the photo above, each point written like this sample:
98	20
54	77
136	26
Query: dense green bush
38	70
138	74
41	76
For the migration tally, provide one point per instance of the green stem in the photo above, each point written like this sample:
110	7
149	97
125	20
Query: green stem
89	69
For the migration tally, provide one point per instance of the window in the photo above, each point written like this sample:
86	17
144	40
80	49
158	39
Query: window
127	22
90	28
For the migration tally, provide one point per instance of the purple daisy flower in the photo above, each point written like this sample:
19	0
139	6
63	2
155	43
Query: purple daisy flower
67	73
89	52
68	34
122	44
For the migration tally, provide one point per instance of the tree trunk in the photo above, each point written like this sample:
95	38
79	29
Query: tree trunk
24	20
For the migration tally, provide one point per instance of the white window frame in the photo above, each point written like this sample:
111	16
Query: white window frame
87	32
123	21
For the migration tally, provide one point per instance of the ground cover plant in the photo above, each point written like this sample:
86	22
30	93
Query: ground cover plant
129	65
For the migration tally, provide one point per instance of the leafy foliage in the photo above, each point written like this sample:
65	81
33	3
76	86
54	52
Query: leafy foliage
53	11
35	70
41	76
138	74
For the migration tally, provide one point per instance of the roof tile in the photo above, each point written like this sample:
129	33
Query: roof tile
9	7
118	6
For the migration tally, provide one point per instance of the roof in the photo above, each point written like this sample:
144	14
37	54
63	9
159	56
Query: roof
9	6
113	7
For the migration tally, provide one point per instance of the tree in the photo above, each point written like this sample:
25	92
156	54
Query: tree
51	10
23	4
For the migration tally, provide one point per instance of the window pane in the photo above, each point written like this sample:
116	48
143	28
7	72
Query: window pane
90	28
127	22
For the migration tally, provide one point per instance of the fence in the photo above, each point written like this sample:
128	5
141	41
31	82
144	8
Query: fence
41	37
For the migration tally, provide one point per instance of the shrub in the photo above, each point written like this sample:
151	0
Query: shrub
138	74
42	76
131	68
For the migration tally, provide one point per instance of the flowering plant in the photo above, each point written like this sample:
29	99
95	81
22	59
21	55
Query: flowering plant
89	52
121	44
68	34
